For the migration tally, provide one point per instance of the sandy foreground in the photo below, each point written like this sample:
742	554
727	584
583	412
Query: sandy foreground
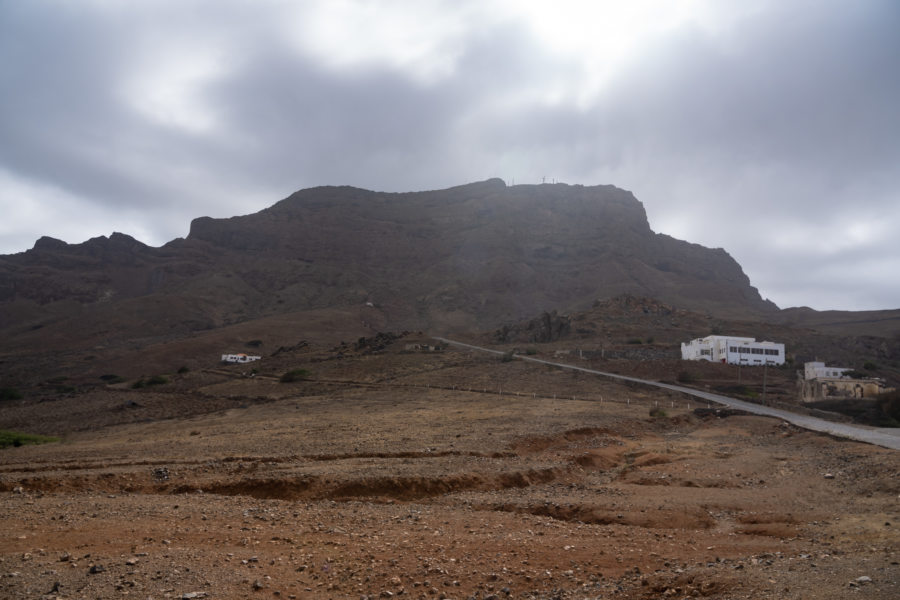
407	489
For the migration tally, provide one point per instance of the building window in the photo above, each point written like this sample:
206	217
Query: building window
772	352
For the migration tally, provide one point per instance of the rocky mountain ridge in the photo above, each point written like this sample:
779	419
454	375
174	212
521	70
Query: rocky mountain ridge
465	258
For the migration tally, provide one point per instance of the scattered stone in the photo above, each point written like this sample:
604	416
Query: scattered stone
192	595
864	579
96	569
828	476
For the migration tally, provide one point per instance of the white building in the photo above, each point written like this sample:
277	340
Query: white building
733	350
239	358
818	370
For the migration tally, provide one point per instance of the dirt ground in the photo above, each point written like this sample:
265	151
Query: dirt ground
434	475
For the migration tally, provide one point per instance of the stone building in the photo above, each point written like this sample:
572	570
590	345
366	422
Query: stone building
821	382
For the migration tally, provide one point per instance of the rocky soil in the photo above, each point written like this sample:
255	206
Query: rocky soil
397	473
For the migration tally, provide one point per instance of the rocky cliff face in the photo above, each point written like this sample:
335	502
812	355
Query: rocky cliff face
470	257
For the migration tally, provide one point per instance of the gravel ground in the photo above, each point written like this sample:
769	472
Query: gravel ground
379	488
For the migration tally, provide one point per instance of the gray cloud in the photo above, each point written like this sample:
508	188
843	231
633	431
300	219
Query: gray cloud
774	135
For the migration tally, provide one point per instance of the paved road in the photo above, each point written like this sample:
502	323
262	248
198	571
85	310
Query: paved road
886	437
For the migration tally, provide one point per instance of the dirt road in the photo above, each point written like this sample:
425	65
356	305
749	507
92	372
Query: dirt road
887	438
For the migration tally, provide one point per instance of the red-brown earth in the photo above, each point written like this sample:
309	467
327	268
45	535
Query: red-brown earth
393	472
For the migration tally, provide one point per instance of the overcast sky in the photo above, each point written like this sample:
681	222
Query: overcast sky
768	128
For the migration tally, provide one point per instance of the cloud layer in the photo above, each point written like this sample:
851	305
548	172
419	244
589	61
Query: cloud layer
768	128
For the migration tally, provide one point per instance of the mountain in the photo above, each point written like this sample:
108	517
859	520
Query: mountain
464	258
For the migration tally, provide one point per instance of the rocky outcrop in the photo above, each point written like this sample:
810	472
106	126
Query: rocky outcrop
549	327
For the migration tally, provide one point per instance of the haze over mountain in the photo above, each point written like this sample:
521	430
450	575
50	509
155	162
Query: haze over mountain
469	257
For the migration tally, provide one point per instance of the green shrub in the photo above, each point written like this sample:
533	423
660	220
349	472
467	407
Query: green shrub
295	375
155	380
531	351
112	378
10	394
686	377
183	369
635	341
658	413
889	404
854	374
13	438
870	366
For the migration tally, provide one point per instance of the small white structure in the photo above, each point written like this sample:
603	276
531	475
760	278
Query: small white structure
239	358
818	370
420	348
733	350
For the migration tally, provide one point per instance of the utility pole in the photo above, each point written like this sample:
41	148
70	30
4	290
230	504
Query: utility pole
765	373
